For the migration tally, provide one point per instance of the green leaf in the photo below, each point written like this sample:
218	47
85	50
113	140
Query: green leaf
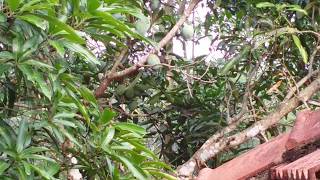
131	127
108	39
89	57
107	115
35	20
65	123
31	43
141	147
17	44
80	106
42	172
93	5
27	168
11	153
41	83
13	4
136	171
53	168
134	11
3	18
32	5
265	5
56	131
158	174
7	134
33	150
70	137
37	157
64	115
22	173
3	166
62	26
298	9
155	98
26	70
28	4
22	134
109	19
109	136
234	61
4	68
87	94
58	46
35	7
302	50
157	164
38	63
6	55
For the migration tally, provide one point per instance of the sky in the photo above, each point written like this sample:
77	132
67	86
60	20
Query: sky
204	45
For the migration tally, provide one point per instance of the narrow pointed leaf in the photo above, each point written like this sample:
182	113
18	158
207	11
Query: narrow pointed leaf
3	166
13	4
302	50
73	35
22	134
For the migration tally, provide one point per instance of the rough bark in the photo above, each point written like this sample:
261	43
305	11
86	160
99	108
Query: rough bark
211	148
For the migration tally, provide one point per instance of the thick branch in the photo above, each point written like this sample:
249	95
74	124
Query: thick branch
121	74
209	149
300	83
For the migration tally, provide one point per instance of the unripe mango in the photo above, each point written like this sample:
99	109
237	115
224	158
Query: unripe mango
120	89
155	5
187	31
129	93
142	25
153	60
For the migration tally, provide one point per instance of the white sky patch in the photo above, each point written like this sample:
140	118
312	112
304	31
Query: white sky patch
203	46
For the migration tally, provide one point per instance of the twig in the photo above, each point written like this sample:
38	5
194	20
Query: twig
188	80
315	103
182	71
207	70
300	83
105	83
312	56
118	61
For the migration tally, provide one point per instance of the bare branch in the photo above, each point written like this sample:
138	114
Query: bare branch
312	56
300	83
210	150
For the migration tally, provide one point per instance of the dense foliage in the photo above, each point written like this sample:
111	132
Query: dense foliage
47	108
54	54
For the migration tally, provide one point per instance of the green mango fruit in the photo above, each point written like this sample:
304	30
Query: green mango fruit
120	89
142	25
155	5
129	93
154	60
187	31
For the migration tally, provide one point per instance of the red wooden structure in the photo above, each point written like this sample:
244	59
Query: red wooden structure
293	155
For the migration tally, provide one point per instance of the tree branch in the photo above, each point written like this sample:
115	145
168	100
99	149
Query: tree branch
121	74
210	150
300	83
